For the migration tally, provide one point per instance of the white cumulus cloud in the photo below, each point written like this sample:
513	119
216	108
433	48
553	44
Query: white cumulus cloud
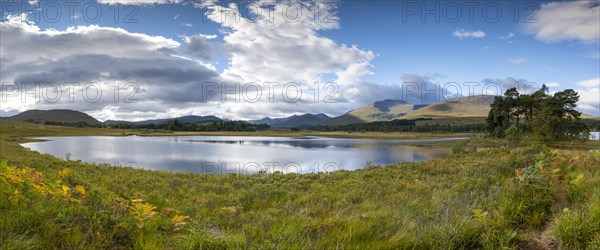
572	20
274	46
591	83
462	33
589	101
589	96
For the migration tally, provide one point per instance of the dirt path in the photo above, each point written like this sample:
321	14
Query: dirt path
544	239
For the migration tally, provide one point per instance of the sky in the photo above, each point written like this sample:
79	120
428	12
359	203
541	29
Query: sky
135	60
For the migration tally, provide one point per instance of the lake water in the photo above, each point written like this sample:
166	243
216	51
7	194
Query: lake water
235	154
595	136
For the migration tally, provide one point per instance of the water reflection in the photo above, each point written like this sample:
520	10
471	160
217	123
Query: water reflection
316	142
242	155
595	136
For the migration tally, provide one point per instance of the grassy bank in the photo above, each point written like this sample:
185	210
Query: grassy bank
531	197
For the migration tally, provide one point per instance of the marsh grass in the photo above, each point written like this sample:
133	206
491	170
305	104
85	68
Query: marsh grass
497	198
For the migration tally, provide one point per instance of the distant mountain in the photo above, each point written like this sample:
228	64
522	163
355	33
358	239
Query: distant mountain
385	110
344	119
270	121
55	115
299	121
295	121
183	119
467	106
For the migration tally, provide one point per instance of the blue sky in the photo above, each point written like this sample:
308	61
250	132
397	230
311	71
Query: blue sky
369	48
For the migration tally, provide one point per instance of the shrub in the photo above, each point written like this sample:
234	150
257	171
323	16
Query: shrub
513	136
579	229
459	147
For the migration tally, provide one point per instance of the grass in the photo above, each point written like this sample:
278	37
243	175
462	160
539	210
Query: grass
453	121
526	197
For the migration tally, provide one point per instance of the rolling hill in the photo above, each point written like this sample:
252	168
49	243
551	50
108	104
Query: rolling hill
588	116
344	119
270	121
300	121
294	121
468	106
385	110
55	115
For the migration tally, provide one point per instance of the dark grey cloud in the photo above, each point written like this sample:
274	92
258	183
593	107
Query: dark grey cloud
199	47
102	57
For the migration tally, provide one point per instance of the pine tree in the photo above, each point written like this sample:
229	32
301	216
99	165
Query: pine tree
550	117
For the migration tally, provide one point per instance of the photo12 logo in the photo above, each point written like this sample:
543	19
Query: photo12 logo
71	11
69	92
235	92
471	11
252	92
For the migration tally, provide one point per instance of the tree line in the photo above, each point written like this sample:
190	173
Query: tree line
403	126
551	117
175	125
71	124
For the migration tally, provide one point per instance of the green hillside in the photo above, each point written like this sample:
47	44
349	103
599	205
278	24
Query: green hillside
469	106
344	119
297	121
55	115
385	110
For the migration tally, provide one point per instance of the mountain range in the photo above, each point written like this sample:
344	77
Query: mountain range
385	110
295	121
